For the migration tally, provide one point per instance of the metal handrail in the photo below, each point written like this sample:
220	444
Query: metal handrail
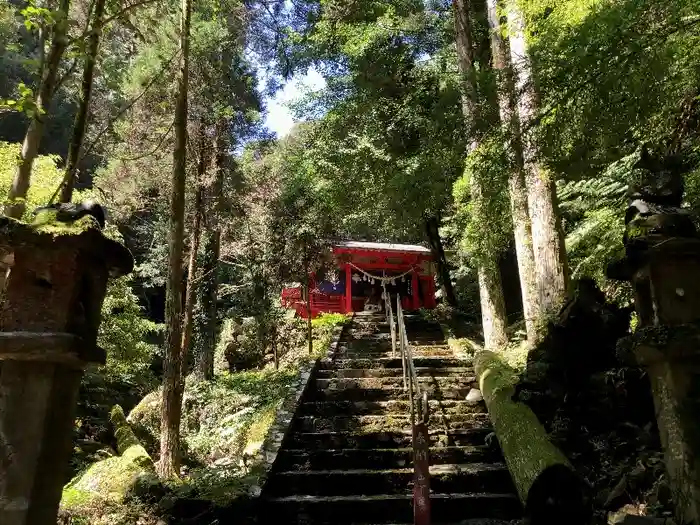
417	394
418	400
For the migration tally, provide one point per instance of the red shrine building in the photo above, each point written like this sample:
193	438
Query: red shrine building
359	273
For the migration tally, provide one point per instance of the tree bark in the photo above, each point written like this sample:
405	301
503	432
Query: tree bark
195	236
433	234
204	365
516	181
204	359
173	377
32	138
493	310
81	116
547	235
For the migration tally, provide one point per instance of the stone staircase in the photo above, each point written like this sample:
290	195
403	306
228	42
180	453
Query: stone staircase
347	458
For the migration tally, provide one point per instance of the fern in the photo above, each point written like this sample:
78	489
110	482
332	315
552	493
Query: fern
594	212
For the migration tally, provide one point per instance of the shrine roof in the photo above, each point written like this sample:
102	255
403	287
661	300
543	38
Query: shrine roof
381	246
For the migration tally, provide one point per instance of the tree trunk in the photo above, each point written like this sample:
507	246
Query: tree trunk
493	310
204	359
173	376
516	181
547	234
549	488
433	234
32	138
195	236
81	116
204	366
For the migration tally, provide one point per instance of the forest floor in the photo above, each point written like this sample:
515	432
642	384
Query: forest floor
224	424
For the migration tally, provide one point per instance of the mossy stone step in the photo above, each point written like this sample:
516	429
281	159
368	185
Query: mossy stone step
399	407
378	423
383	394
445	508
301	459
392	362
417	353
391	439
473	477
444	383
425	371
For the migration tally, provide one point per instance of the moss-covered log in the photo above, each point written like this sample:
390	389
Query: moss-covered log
546	483
110	480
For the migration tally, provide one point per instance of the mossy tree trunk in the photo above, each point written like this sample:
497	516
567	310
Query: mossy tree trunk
547	485
493	309
547	234
516	181
47	87
174	365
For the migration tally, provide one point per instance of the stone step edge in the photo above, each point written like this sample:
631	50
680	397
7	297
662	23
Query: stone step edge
456	468
389	497
367	451
432	432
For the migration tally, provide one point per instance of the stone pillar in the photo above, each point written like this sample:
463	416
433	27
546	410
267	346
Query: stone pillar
662	261
49	316
667	345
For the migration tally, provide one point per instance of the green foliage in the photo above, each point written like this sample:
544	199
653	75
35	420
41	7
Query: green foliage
593	212
124	333
45	176
485	222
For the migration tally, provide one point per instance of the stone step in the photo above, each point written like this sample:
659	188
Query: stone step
472	477
445	508
385	423
300	459
417	353
394	439
443	383
399	407
475	521
338	363
383	394
383	342
424	371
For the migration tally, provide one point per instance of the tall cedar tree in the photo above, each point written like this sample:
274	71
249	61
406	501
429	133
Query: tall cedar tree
547	235
516	181
493	309
195	237
174	365
204	360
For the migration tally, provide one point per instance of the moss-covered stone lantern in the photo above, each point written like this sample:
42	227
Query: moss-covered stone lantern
662	261
54	279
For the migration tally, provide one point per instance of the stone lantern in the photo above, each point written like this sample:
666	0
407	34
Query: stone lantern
54	279
662	262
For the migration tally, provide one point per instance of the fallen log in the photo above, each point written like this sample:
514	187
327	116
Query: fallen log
547	485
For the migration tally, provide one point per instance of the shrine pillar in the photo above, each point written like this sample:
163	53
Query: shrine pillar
414	289
348	289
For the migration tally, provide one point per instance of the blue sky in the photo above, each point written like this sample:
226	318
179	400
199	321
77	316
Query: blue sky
279	119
